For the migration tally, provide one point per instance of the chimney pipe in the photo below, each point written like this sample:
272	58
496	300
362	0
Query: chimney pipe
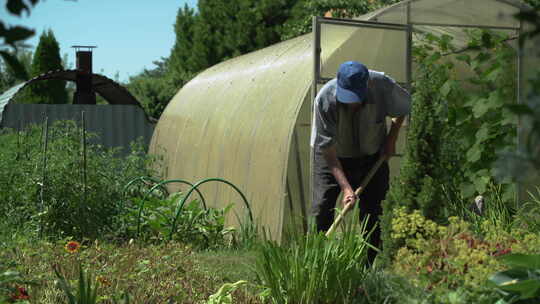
84	93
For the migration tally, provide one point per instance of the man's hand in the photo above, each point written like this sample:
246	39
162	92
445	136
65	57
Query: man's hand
330	155
348	197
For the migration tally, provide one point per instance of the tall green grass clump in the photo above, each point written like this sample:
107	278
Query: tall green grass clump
528	215
313	269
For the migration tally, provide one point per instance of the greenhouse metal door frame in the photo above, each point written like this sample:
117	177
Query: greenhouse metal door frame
318	21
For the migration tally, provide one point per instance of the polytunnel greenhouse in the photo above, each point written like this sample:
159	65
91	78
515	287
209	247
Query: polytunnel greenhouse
247	120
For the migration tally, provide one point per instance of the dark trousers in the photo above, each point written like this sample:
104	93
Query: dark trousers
326	191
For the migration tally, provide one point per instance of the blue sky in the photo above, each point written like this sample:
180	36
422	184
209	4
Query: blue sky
129	34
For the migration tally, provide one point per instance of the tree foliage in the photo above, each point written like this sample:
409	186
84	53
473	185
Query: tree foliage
46	58
182	60
221	30
304	10
153	89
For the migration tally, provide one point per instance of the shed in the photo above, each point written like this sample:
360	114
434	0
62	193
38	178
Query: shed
248	119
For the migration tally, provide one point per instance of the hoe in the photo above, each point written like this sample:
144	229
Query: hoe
358	191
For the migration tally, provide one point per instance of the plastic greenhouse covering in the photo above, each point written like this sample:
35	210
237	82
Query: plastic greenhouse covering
248	119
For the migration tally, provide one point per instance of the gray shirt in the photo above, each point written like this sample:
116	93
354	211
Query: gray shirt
361	133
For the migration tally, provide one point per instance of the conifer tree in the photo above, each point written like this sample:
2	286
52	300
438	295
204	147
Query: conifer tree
46	59
179	64
422	174
223	29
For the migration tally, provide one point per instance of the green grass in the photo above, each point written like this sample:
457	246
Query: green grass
228	266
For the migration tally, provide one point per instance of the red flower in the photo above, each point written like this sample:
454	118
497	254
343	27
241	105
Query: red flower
502	252
21	294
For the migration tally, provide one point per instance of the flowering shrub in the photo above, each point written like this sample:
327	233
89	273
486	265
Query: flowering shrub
439	257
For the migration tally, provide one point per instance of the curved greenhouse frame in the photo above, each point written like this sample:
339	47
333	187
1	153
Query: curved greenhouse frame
247	119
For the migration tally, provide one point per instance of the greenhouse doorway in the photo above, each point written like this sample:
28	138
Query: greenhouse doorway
339	40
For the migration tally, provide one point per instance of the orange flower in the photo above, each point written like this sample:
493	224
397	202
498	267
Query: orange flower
103	281
72	246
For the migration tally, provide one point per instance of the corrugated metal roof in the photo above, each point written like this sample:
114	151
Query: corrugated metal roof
7	96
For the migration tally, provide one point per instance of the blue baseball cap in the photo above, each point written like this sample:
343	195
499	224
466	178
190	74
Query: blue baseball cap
352	79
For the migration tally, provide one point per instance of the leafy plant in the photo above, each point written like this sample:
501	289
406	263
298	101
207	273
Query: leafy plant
246	236
442	258
223	295
492	126
122	299
201	228
478	115
521	283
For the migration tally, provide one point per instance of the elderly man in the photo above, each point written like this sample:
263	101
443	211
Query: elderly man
348	135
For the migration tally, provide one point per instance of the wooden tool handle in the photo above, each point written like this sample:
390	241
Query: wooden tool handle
358	191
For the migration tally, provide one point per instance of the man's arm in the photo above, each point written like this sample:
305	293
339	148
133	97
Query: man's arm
398	105
330	155
391	138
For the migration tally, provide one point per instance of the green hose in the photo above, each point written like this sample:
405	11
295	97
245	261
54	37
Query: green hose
141	178
181	205
161	184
